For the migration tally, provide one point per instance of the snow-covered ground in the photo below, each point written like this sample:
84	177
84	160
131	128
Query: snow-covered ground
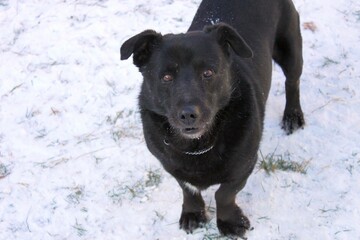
73	162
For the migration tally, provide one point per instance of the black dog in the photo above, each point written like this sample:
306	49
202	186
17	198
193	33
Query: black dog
203	98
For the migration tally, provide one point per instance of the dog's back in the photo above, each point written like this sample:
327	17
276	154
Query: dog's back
264	25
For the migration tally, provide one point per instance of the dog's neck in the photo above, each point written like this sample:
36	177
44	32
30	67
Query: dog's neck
201	152
191	153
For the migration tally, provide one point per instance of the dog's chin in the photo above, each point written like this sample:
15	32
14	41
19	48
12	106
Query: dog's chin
193	133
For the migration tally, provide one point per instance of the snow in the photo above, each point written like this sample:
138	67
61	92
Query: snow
73	161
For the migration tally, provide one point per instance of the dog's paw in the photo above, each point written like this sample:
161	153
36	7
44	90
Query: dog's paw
189	221
236	226
292	121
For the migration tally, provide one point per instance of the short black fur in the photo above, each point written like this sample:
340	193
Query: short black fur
203	98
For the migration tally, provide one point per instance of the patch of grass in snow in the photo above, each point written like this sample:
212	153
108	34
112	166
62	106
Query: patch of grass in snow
4	170
343	231
129	191
353	162
76	195
350	169
272	162
86	138
327	210
41	133
138	189
212	233
159	217
125	124
328	61
30	113
4	3
125	113
119	133
357	14
215	236
153	178
52	162
81	231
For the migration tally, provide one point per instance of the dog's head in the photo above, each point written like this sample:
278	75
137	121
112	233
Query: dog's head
187	77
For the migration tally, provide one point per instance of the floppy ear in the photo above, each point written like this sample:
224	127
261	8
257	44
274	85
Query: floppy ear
141	46
226	36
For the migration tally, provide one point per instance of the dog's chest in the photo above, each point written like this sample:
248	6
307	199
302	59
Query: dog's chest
202	170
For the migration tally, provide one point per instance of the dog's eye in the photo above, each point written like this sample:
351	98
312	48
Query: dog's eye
208	73
167	78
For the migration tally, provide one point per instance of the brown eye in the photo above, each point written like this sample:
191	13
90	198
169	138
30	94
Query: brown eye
208	73
167	78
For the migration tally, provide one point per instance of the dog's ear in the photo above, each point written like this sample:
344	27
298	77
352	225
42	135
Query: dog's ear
226	36
141	46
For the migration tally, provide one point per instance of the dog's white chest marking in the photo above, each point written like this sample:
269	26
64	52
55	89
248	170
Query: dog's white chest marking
194	190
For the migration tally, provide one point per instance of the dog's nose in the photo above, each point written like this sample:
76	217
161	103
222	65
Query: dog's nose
189	115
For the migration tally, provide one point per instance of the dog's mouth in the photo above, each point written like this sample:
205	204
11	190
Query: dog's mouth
193	132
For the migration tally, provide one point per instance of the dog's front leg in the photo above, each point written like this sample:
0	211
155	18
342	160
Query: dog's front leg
193	213
230	218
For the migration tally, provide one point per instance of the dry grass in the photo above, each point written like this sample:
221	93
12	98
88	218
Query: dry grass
273	162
